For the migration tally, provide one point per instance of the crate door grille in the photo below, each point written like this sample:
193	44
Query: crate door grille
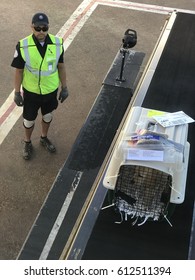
142	192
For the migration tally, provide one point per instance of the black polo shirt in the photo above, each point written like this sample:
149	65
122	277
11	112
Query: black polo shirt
18	61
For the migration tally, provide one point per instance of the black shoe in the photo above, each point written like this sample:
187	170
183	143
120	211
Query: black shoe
27	150
47	144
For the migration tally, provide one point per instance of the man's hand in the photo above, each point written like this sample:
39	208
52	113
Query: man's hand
18	99
63	94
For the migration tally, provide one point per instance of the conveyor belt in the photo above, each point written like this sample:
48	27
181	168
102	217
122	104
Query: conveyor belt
172	89
74	183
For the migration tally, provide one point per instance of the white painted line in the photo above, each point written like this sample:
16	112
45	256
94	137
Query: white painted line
60	218
143	7
136	6
9	113
9	122
74	24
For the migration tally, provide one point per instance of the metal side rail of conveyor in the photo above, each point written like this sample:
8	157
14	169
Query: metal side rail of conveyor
76	182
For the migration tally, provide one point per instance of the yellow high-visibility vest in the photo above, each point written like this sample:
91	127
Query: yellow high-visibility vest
41	74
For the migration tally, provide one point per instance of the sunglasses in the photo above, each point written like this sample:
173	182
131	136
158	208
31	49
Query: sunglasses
38	28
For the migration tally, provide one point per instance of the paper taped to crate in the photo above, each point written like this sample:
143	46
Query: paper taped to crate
148	155
172	119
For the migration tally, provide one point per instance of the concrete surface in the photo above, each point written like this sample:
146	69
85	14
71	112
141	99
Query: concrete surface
24	184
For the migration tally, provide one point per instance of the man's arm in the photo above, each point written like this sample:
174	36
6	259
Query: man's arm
18	63
62	74
18	99
18	79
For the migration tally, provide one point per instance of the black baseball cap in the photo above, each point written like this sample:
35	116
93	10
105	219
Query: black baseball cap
40	19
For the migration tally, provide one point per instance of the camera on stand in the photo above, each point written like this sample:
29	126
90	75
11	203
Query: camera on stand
129	41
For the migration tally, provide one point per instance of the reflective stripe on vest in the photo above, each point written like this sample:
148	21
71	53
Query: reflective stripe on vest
28	62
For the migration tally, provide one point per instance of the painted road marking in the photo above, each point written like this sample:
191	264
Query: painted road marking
60	217
142	7
9	112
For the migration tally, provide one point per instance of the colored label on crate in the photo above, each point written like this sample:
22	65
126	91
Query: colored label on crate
152	113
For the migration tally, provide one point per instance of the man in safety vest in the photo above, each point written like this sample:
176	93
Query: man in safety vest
40	69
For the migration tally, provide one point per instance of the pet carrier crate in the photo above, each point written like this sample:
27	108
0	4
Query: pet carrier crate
148	168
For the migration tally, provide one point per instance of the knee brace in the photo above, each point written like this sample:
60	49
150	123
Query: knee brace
47	118
28	124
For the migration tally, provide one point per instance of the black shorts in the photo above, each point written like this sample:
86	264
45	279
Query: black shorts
33	102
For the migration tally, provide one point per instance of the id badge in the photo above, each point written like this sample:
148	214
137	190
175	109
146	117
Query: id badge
50	66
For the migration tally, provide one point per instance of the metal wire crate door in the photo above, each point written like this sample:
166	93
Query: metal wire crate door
142	193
